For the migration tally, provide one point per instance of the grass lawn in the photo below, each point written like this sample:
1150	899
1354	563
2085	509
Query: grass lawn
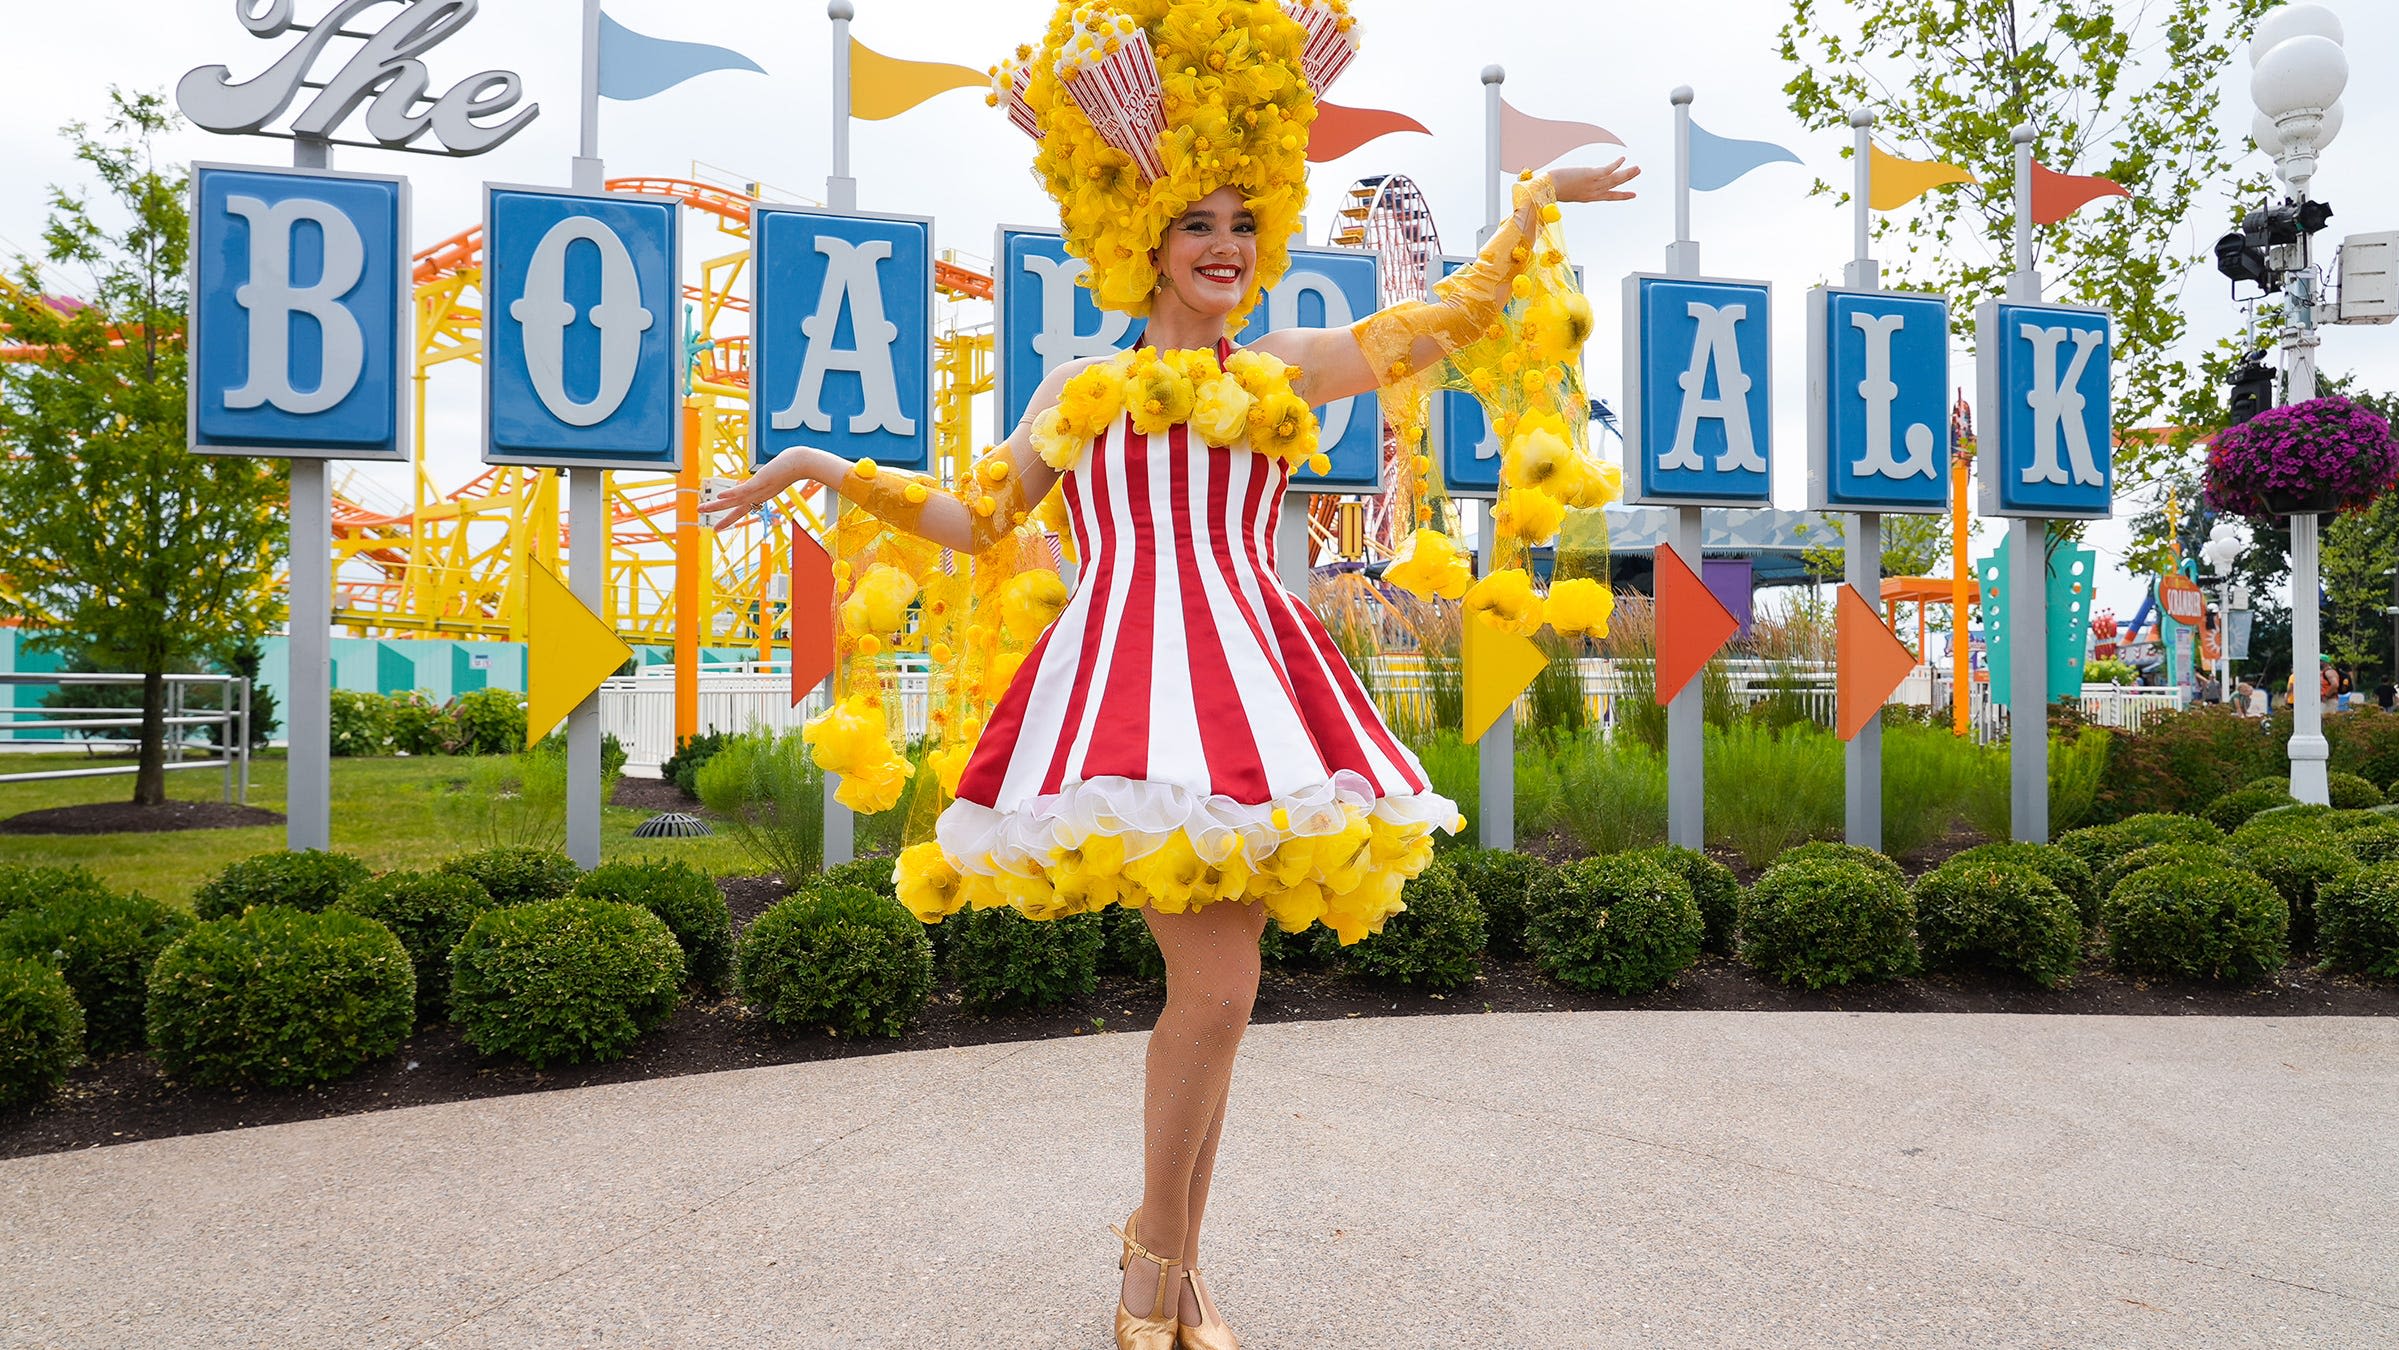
391	812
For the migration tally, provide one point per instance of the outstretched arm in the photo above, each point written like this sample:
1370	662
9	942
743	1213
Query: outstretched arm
1007	485
1336	363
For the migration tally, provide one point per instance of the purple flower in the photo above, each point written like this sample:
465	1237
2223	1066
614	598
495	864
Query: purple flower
2327	449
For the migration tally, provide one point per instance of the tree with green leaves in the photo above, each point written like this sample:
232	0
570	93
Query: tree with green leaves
2122	90
120	542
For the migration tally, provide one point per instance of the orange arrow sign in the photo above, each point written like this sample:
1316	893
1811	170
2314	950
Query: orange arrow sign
811	614
1872	662
1693	625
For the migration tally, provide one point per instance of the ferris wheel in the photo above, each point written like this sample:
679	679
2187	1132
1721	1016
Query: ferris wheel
1387	216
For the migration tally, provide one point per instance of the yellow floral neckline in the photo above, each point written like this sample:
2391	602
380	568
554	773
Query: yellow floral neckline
1246	403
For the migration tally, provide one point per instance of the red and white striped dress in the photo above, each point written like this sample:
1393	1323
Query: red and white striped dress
1182	687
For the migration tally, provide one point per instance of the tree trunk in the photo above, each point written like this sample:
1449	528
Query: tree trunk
150	783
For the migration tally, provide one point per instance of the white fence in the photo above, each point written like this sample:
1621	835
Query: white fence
640	710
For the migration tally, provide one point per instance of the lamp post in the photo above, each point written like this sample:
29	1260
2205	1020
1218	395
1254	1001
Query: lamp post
2298	71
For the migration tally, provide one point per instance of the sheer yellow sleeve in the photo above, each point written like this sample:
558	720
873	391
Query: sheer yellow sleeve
994	498
1405	341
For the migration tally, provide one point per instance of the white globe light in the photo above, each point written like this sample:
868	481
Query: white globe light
2280	25
2269	140
2305	72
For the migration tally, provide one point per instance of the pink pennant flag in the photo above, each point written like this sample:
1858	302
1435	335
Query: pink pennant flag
1527	142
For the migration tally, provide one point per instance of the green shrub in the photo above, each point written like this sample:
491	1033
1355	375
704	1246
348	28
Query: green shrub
2078	764
571	979
1004	960
1129	948
772	798
25	887
682	768
361	723
41	1032
2373	844
613	753
2297	866
684	898
1310	948
2352	793
2195	922
2279	784
488	722
1999	913
419	726
1823	850
2233	809
877	874
2181	761
1612	796
1928	771
2278	821
2160	855
1713	886
1768	791
310	880
428	912
1436	942
1822	922
278	997
517	874
2063	869
840	957
2357	919
1622	925
1499	880
2166	828
104	946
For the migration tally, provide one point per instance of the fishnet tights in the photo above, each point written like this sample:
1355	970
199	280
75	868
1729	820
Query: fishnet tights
1211	985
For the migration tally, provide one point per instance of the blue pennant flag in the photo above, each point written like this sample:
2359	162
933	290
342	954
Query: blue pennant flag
1717	160
635	66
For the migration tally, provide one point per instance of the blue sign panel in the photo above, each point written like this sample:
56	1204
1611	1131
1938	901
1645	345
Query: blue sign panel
1047	317
1878	401
299	289
844	326
2044	384
582	322
1698	385
1331	288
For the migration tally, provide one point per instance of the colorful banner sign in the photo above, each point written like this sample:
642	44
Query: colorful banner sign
1045	319
1878	401
2048	444
299	296
582	330
1698	384
843	353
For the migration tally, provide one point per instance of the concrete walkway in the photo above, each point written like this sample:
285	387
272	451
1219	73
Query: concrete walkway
1566	1180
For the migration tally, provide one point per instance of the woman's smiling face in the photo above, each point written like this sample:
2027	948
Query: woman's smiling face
1211	252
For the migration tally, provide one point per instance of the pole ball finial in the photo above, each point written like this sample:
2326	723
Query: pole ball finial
2023	134
1494	75
840	11
1861	117
1682	96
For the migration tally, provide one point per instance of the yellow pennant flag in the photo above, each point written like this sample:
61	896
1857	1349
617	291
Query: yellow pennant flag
1499	666
1896	181
568	651
885	86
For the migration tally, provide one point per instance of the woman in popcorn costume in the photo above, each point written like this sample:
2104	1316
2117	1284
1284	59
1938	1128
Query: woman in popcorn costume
1178	734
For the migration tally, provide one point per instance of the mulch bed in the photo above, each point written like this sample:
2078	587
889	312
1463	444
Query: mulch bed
127	818
653	795
126	1099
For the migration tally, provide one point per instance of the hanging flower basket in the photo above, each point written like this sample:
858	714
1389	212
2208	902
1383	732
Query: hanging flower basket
2318	457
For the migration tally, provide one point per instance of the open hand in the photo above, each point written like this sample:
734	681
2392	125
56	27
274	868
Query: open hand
735	501
1603	184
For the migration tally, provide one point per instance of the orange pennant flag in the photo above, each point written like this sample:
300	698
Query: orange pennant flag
1693	625
811	618
1872	663
1338	130
1894	182
1527	142
2056	196
886	86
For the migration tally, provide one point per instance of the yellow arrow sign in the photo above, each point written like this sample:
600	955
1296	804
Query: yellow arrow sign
569	651
1499	666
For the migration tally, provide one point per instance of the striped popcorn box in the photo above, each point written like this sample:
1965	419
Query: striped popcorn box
1332	43
1121	95
1008	81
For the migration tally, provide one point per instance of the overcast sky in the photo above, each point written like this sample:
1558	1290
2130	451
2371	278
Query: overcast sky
962	164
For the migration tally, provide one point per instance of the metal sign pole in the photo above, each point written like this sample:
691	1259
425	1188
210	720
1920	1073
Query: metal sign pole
2027	583
1495	815
586	513
308	757
1862	560
1686	714
841	193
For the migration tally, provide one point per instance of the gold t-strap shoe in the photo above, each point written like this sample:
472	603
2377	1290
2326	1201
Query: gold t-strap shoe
1211	1333
1156	1331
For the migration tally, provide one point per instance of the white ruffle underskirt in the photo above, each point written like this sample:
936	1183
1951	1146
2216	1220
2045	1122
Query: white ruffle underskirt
1145	814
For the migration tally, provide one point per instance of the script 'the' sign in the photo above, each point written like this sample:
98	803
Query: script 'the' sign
383	74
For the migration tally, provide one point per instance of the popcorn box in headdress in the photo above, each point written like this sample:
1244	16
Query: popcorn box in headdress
1332	43
1120	92
1698	392
843	353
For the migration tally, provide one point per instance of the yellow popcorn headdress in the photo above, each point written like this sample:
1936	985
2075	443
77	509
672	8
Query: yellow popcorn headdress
1143	107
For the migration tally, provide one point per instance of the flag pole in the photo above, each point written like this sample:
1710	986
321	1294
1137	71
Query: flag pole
841	193
2028	582
1686	726
587	522
1862	553
1495	816
589	175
